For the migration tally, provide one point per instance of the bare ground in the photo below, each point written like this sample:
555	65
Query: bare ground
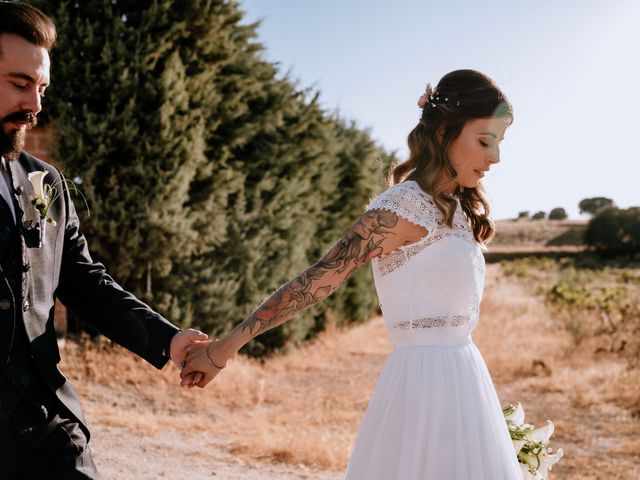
121	453
296	417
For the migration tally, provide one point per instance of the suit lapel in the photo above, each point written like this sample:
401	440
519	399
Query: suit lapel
27	215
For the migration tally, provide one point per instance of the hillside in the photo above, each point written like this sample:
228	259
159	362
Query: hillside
538	233
524	237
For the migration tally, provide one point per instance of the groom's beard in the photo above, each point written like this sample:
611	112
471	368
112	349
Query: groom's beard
12	143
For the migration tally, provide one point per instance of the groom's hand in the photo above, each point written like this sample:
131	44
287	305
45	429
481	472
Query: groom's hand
178	352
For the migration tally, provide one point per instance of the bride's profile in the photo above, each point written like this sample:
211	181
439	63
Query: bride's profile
434	413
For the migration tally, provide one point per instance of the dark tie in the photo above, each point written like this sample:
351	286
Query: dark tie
6	189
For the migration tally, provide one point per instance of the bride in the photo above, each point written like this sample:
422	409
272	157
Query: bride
435	414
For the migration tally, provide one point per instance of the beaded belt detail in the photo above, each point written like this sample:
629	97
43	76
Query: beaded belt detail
433	322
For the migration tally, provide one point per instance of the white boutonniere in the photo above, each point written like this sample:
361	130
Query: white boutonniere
45	195
530	443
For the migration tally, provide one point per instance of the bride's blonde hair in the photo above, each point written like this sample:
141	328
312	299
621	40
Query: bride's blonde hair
459	97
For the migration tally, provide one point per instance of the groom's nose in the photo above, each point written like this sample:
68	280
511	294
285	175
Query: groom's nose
31	101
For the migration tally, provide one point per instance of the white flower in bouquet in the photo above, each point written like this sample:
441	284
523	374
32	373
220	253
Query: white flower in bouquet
514	413
542	434
530	444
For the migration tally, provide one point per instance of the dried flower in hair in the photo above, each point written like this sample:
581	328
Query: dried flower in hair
426	96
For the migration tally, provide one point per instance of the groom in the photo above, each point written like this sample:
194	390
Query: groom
43	432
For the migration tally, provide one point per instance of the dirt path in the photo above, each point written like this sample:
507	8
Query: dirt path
295	417
123	454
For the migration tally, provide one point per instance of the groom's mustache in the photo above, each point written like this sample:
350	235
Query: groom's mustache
29	118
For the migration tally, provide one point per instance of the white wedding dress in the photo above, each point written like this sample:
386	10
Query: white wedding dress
435	414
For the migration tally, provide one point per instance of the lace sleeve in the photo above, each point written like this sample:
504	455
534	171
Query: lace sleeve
407	200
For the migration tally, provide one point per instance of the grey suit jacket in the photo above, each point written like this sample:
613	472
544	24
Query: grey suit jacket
62	268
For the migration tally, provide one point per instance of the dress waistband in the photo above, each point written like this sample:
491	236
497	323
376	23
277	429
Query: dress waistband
429	340
445	329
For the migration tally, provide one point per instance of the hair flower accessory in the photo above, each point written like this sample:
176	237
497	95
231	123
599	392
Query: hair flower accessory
426	96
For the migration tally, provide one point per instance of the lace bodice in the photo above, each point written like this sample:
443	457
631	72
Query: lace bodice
430	290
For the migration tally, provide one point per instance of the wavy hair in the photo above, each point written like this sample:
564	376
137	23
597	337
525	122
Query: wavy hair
459	97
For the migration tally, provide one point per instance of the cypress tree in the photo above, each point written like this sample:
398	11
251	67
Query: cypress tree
129	130
211	180
283	174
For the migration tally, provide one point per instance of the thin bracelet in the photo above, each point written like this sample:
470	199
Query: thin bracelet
211	361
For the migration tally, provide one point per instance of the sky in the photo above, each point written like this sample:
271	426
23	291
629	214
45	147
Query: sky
571	68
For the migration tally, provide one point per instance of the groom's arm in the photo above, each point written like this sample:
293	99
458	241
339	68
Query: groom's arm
87	289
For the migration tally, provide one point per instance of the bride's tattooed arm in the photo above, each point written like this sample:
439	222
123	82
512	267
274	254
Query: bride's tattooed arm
376	233
368	238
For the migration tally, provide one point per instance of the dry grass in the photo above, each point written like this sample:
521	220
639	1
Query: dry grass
536	233
303	408
592	396
306	407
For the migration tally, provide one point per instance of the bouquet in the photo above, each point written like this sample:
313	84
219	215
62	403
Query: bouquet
535	458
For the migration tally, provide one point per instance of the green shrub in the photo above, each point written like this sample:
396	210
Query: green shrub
590	295
615	231
594	205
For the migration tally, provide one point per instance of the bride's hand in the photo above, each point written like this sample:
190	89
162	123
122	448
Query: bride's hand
206	357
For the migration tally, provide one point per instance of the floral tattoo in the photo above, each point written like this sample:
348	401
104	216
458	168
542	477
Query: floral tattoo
361	243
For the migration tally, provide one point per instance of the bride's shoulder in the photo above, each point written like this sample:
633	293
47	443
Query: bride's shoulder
409	201
403	193
414	187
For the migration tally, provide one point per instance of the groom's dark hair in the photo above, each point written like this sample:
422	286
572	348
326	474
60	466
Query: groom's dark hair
27	22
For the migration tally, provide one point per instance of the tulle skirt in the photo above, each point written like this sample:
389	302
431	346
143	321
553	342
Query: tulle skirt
434	415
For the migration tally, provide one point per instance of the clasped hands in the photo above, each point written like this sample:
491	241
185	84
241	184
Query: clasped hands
200	359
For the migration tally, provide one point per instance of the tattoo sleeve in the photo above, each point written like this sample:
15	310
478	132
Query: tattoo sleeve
362	242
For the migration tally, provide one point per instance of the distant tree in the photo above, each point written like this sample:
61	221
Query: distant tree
595	204
524	214
539	215
558	213
614	231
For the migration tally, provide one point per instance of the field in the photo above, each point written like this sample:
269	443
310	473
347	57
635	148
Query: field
295	417
536	235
